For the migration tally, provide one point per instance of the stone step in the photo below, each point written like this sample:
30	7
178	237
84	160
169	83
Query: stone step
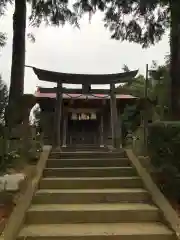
87	154
110	231
90	183
95	162
91	213
90	172
86	196
84	148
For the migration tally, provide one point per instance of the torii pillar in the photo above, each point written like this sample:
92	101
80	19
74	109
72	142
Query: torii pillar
58	113
115	124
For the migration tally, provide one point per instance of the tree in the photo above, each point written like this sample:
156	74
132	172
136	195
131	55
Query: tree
136	87
2	39
161	88
18	54
51	12
158	88
143	22
125	68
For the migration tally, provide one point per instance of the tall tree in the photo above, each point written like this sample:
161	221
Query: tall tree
143	22
18	52
18	62
51	12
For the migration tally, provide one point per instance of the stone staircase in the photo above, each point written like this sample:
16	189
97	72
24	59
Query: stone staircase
92	196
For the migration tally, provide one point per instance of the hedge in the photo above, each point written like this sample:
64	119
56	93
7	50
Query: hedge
164	152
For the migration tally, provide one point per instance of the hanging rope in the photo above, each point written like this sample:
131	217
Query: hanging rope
104	97
74	97
86	96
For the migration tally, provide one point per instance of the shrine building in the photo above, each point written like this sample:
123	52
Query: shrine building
83	116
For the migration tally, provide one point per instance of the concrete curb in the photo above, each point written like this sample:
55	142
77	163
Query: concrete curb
158	198
17	217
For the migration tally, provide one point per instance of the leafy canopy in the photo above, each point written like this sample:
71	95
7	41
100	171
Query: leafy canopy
139	21
55	12
3	7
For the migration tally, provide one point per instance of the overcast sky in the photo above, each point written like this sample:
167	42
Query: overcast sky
88	50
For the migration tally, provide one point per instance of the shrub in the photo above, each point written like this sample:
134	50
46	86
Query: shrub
131	119
164	151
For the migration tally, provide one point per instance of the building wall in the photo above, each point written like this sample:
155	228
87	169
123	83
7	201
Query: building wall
49	126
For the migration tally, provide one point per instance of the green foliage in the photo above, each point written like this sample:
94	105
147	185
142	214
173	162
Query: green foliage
161	84
3	6
125	68
131	119
52	12
31	37
163	147
3	101
3	39
142	22
3	104
158	88
9	160
136	87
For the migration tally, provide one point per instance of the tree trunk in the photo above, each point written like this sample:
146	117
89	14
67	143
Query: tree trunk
18	60
175	59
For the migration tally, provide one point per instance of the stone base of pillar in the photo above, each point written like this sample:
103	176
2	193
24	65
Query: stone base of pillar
118	143
111	148
64	145
58	148
101	146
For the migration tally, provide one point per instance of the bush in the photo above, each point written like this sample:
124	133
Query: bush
131	119
164	151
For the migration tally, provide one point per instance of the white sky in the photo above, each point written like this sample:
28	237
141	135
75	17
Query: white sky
88	50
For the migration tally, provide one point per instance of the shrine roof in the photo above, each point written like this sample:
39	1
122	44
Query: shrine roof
74	78
51	95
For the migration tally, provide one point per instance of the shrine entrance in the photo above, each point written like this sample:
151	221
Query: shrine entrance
101	126
83	128
83	132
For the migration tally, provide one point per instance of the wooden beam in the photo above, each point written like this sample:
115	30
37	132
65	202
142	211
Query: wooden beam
80	91
82	110
74	78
